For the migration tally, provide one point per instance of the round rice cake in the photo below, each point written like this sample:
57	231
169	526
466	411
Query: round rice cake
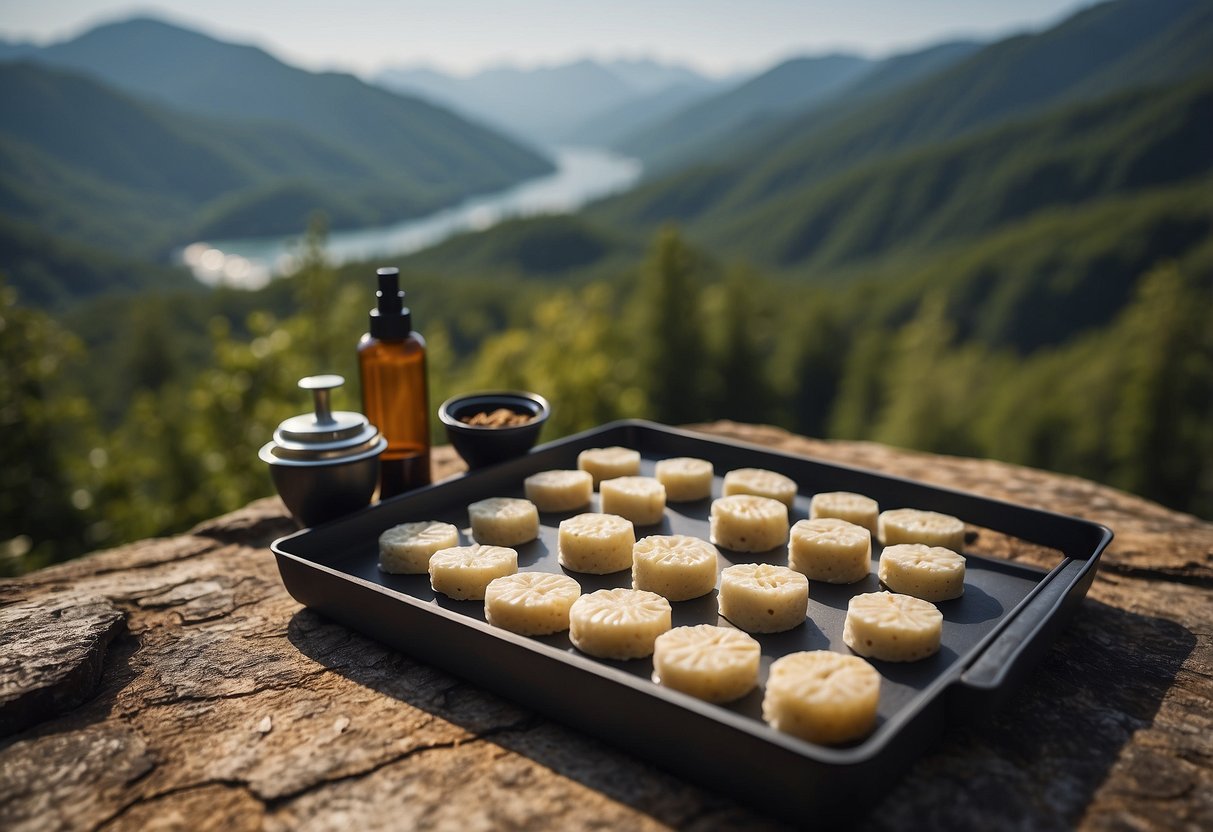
464	572
609	463
504	521
559	490
618	623
597	544
932	573
831	550
822	697
892	627
761	483
639	499
405	549
685	478
763	597
746	523
715	664
909	525
676	566
845	505
531	603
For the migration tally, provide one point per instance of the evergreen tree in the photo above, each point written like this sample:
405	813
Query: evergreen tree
672	343
1162	437
821	351
740	385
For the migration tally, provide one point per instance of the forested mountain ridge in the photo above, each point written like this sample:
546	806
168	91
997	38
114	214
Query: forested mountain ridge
792	85
959	189
138	137
1086	56
142	178
191	71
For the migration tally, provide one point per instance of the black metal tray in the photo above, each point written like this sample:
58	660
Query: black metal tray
1002	624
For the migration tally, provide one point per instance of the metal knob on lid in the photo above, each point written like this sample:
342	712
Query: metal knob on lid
326	435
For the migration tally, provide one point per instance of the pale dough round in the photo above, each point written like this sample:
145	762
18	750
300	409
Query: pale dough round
464	572
608	463
639	499
406	549
762	483
932	573
559	490
763	598
745	523
896	628
830	550
909	525
531	603
675	566
504	521
596	543
845	505
716	664
618	623
685	478
822	697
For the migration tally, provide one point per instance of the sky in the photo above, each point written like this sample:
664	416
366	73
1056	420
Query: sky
462	36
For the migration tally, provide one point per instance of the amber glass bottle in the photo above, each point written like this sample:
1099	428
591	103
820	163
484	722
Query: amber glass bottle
395	396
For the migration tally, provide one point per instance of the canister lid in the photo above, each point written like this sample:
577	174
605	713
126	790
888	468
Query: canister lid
324	436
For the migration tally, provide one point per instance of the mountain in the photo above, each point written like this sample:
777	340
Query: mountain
16	50
1092	53
1131	142
904	69
404	137
613	126
143	177
878	78
791	86
546	105
645	75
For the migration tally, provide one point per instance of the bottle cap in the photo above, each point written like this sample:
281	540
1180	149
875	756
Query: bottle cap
391	320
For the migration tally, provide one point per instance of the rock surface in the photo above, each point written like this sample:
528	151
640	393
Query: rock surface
51	655
225	705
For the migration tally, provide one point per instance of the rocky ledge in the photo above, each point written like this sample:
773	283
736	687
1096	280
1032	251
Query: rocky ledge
173	683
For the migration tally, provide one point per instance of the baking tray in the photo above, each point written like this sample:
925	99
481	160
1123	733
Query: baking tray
992	635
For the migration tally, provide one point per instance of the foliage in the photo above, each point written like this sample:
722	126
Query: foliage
42	504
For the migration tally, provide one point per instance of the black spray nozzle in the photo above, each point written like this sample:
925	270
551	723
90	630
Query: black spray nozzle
390	319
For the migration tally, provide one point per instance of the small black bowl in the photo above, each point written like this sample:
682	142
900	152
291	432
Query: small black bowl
480	445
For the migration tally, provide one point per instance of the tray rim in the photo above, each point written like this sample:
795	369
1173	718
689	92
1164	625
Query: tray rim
867	750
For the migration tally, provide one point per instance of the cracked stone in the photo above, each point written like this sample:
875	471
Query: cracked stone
1113	730
51	656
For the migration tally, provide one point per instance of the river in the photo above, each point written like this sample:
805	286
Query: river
581	175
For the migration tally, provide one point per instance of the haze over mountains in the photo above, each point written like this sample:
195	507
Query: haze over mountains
552	105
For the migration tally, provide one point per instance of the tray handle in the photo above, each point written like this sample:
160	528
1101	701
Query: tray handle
1020	643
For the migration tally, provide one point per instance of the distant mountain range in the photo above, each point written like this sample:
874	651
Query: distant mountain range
711	127
820	164
141	135
784	194
1032	181
552	105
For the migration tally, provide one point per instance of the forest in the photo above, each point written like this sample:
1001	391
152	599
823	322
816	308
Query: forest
159	428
